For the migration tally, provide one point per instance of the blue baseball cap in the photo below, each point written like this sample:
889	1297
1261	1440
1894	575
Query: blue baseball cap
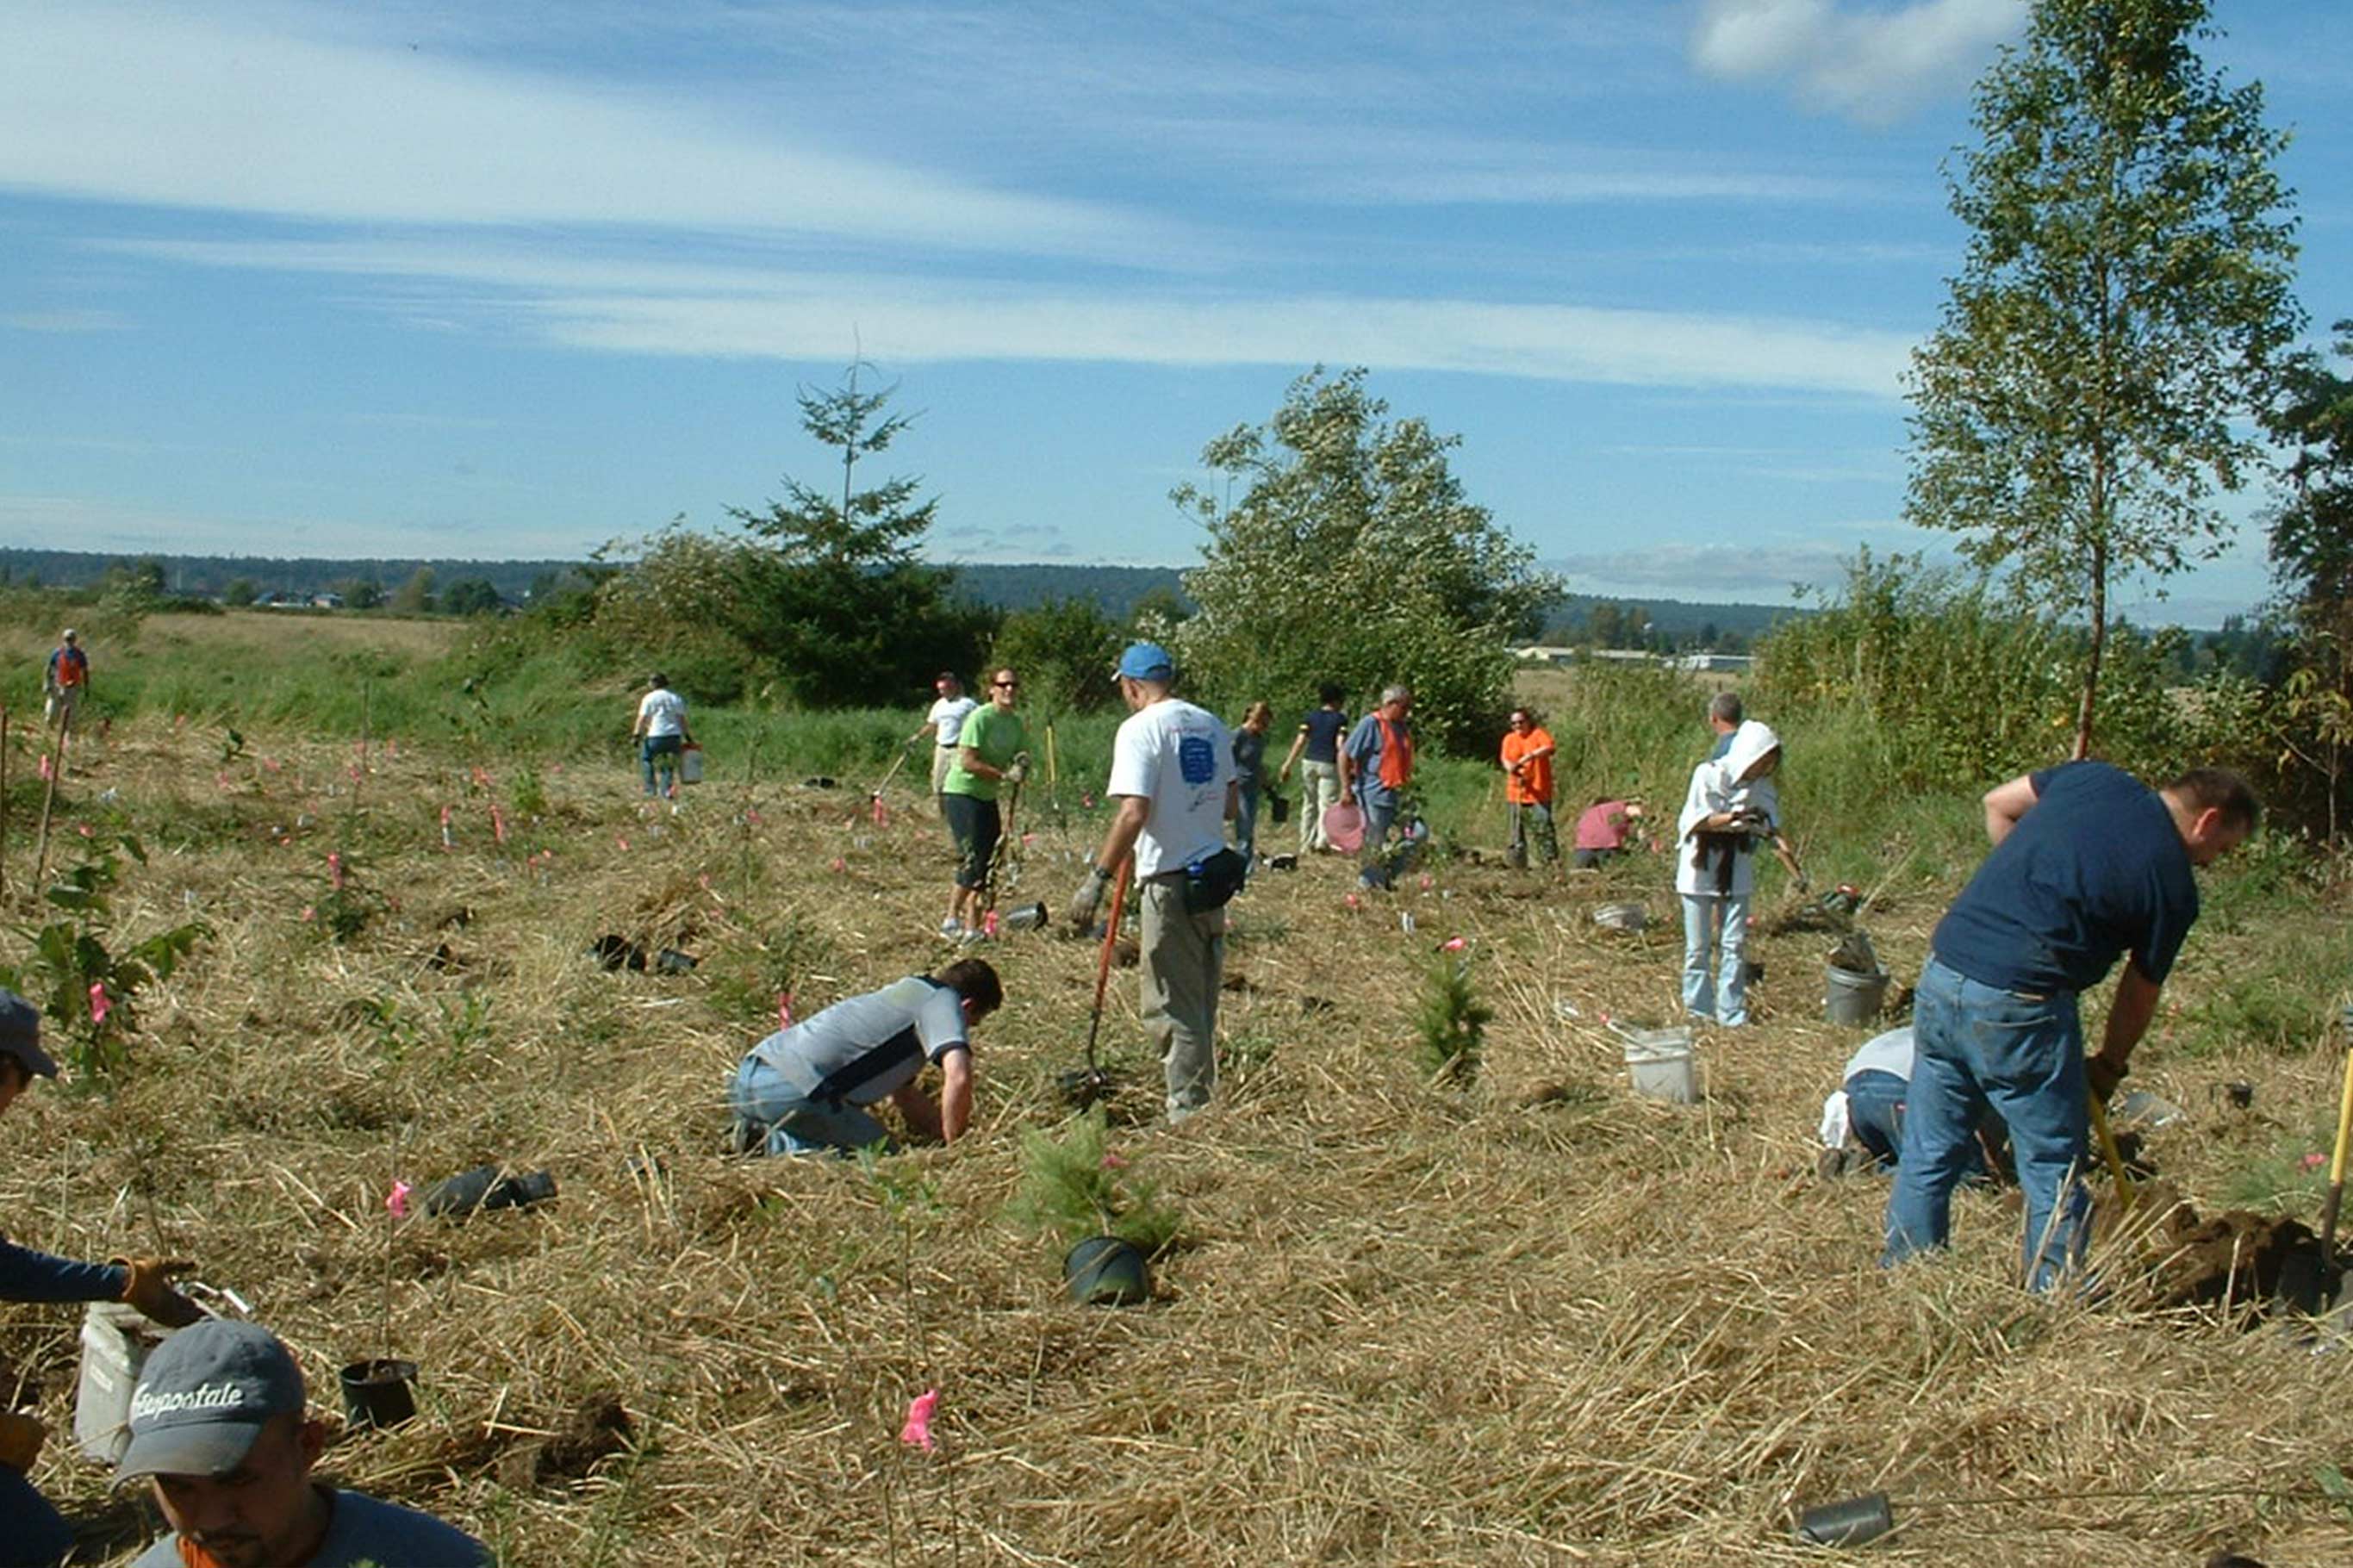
203	1398
1147	661
20	1034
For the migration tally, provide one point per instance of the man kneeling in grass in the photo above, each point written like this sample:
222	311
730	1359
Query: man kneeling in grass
804	1089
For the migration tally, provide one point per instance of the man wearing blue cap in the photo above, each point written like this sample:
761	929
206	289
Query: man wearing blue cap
1172	772
220	1427
31	1532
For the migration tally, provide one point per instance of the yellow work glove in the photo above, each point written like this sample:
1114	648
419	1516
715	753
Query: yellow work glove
149	1288
21	1437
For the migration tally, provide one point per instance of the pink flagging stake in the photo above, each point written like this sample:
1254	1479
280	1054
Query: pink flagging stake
784	1009
397	1200
449	838
917	1432
336	868
99	1007
498	824
1456	944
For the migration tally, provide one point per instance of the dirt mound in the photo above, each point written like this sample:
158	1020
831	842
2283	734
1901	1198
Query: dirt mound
596	1429
2237	1257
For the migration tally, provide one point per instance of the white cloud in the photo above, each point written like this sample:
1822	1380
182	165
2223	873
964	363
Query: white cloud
160	108
1871	65
632	305
1757	572
65	320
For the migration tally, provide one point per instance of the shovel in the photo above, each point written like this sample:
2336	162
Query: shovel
1083	1088
2324	1288
876	792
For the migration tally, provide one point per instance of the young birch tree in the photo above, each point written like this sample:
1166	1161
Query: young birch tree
2123	298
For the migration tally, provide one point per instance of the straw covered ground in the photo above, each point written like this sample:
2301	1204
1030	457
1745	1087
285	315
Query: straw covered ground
1530	1321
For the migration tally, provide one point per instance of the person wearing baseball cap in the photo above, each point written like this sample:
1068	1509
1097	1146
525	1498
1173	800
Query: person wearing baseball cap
1172	779
221	1430
31	1532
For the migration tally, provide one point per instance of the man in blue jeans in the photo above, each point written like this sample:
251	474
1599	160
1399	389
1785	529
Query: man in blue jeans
805	1088
2088	865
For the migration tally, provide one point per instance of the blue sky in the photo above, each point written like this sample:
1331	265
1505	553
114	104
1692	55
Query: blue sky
498	280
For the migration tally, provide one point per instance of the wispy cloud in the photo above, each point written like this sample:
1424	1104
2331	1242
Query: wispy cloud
65	320
1871	65
1765	572
647	306
104	103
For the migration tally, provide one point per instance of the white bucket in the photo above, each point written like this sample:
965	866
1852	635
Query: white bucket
115	1342
689	765
1621	917
1662	1065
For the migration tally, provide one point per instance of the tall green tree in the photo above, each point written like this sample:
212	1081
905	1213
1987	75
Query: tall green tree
1354	555
2311	567
2125	296
835	596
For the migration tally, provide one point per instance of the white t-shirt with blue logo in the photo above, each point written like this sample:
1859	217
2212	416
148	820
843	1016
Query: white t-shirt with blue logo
1181	758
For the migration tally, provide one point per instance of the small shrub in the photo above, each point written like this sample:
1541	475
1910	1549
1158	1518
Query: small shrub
1449	1021
1073	1186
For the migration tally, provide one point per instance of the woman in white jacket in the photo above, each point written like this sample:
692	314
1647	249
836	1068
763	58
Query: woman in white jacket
1732	807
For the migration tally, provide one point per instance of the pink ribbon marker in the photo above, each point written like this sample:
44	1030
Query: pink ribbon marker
917	1432
449	838
840	863
988	924
1456	944
622	842
335	869
784	1009
98	1004
45	768
397	1200
882	813
498	824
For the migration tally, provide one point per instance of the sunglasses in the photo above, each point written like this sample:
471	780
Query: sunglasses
1006	684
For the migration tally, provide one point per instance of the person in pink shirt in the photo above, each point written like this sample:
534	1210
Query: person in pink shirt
1602	830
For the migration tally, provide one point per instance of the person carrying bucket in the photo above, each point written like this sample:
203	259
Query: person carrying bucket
1315	751
1730	809
661	735
1172	774
2089	865
67	681
31	1530
1376	770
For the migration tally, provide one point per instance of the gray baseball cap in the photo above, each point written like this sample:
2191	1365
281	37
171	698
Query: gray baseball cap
203	1398
20	1033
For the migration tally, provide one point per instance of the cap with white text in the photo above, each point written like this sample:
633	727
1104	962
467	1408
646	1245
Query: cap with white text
203	1398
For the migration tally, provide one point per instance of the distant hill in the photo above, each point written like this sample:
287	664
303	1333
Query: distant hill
1115	589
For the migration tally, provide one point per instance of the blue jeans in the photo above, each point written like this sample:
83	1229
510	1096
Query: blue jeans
1718	990
32	1533
1875	1109
1978	1047
1246	825
659	756
785	1120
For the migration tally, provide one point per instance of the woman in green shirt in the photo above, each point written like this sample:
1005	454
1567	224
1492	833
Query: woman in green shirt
993	749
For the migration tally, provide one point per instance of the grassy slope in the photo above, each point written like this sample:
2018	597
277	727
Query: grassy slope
1411	1326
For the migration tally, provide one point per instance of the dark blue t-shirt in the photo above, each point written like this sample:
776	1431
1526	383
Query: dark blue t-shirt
2095	868
1323	727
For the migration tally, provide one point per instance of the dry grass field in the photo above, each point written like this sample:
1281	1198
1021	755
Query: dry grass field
1535	1320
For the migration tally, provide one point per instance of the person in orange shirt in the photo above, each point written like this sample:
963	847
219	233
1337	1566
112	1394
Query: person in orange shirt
1528	788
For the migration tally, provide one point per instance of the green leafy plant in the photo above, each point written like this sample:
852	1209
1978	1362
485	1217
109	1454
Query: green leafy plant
1074	1186
1449	1021
86	987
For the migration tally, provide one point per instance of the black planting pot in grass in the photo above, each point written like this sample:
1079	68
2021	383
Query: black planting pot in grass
379	1392
1104	1272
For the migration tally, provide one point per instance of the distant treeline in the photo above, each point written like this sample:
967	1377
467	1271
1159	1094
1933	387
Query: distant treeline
1117	590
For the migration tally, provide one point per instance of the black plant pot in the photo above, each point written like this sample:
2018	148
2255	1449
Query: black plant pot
379	1392
487	1187
1104	1272
1848	1523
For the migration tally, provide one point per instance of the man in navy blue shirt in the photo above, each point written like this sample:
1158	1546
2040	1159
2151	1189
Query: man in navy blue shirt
2088	865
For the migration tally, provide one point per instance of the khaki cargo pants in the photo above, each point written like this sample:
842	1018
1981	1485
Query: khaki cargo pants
1184	961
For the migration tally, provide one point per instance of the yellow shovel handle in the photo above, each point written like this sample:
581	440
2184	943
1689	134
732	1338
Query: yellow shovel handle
2108	1151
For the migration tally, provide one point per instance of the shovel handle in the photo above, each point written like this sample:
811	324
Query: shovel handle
1102	958
2109	1152
2336	1166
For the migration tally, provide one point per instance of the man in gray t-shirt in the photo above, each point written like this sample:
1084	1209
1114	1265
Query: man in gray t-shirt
219	1427
805	1088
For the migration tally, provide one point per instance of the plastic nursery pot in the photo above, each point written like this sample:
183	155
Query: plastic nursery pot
1848	1523
487	1187
379	1392
1082	1087
1025	917
1104	1272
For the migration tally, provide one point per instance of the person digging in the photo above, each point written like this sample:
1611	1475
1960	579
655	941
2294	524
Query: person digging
31	1530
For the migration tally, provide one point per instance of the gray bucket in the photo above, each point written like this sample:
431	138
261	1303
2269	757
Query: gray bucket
1853	998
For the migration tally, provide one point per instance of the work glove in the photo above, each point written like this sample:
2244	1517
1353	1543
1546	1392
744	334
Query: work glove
2103	1075
1020	770
1088	898
21	1437
149	1288
1805	883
